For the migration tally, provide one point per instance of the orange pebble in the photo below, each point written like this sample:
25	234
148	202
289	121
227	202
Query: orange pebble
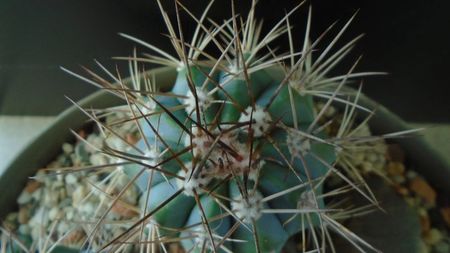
422	189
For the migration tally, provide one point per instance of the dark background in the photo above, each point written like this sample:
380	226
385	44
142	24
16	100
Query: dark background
408	39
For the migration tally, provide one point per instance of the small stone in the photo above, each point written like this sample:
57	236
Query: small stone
423	247
442	247
59	177
67	148
445	212
98	159
64	161
51	198
82	134
367	167
123	210
82	153
131	138
422	212
40	217
24	198
425	224
399	179
395	168
422	189
175	248
96	143
53	213
433	237
410	174
62	227
36	232
70	213
402	190
23	216
78	195
62	194
57	184
41	176
94	178
73	237
379	166
87	209
11	222
418	202
396	153
32	186
371	157
116	143
11	217
71	179
410	201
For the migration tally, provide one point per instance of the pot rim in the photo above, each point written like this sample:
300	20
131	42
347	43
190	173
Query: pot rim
40	152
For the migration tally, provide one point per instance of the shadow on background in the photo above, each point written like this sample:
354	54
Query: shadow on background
410	41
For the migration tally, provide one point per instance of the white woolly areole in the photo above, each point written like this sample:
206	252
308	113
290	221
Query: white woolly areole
235	72
201	142
307	200
244	164
220	162
203	99
192	182
260	120
298	86
152	156
201	237
297	144
248	209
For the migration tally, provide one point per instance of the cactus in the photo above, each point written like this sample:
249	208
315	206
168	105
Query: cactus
234	157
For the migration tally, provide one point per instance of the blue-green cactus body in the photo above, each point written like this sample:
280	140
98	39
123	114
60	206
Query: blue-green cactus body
283	166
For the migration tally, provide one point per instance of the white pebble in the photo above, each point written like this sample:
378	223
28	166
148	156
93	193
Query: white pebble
433	237
24	198
87	209
67	148
95	141
78	195
70	213
57	184
40	176
63	227
98	159
51	198
442	247
53	213
71	179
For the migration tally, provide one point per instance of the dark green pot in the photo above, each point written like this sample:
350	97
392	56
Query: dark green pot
395	232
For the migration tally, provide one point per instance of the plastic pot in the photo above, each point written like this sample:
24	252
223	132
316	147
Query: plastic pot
403	221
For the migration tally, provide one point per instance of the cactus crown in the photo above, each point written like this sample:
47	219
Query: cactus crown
233	158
